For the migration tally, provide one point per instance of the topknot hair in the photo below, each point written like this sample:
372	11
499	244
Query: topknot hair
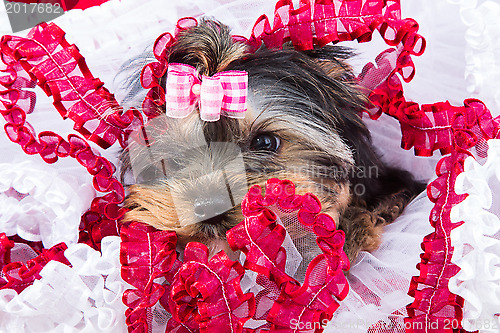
208	46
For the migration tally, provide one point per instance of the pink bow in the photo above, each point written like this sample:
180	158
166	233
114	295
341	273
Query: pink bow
224	93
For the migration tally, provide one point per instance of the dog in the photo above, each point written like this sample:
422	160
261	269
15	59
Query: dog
303	124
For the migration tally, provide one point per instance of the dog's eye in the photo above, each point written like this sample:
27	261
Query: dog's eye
266	141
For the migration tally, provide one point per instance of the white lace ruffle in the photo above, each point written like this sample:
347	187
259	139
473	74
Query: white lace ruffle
379	281
86	297
477	242
482	52
40	203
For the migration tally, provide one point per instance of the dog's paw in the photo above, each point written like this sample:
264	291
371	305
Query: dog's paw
363	231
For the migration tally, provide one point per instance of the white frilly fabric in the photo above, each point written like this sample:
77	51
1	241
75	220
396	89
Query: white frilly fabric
86	297
39	204
44	202
477	242
379	281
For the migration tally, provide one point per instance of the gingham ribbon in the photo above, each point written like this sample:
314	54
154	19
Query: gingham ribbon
223	93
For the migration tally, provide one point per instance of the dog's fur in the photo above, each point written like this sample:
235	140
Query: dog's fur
310	102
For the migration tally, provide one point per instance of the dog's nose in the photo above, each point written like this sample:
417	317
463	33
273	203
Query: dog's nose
210	210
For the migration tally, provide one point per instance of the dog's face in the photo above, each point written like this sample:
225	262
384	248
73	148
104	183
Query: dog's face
302	124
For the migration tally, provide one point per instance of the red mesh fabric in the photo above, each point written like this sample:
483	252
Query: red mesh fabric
145	254
260	237
5	246
321	22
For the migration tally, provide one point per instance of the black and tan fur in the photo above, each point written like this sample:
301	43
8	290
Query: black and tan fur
310	101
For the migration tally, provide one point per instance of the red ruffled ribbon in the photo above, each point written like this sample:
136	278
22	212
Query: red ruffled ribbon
60	70
45	58
260	237
18	275
205	295
321	22
146	254
209	292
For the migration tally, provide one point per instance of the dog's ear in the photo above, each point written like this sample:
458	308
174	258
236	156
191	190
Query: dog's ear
333	61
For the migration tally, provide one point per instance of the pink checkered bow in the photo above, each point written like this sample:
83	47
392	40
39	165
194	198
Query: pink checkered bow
223	93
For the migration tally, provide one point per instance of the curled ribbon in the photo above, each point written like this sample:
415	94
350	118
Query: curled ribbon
223	93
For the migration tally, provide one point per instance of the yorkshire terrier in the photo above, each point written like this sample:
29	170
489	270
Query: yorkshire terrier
303	123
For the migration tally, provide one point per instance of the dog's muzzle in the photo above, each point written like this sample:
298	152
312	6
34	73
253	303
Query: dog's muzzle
205	183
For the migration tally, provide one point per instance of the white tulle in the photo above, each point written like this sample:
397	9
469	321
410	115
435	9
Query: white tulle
477	242
386	137
83	298
461	61
41	204
379	281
